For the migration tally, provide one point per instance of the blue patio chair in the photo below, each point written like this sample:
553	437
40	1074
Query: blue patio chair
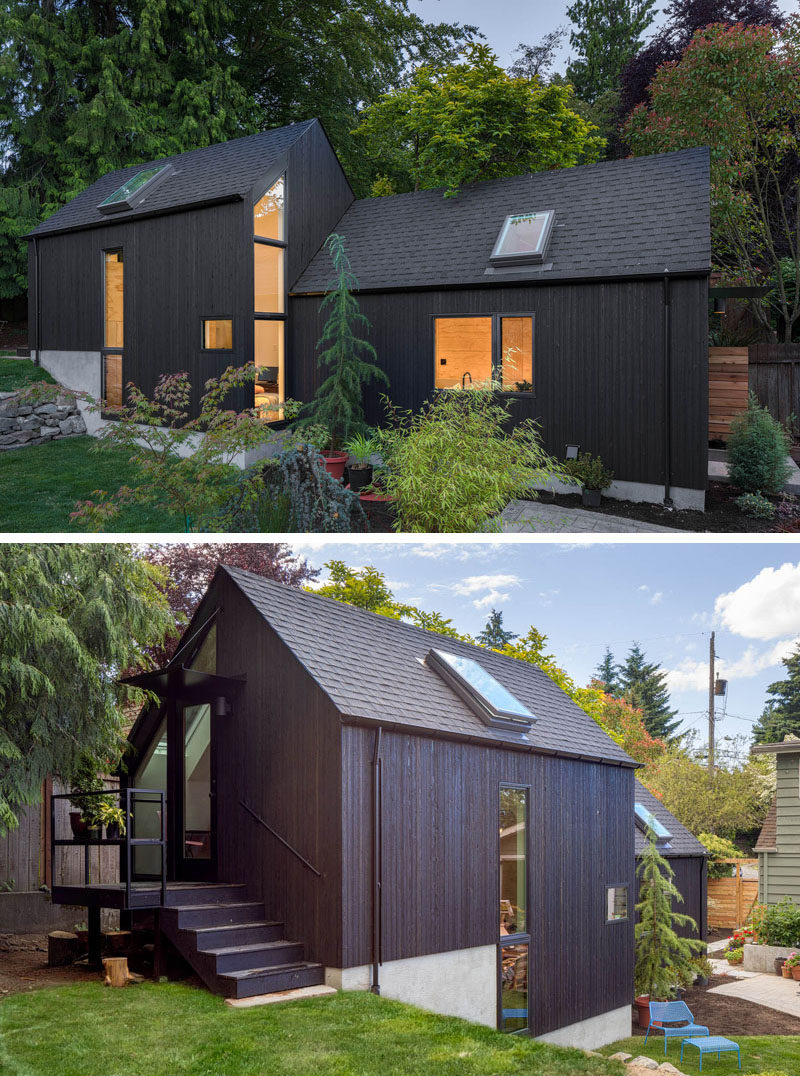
670	1012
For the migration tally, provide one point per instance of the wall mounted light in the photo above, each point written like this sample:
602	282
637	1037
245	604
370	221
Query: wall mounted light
719	305
572	452
221	707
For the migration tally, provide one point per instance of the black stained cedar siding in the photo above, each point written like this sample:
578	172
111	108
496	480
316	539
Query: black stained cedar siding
690	881
279	751
440	863
317	195
179	268
598	364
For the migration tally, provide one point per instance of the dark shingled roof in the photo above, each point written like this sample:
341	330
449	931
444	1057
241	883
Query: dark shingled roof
768	837
637	217
682	842
379	674
227	170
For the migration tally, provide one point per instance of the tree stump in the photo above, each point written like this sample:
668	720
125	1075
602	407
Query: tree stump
62	948
117	974
117	941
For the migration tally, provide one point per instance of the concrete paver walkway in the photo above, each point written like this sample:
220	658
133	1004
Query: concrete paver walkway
533	517
770	990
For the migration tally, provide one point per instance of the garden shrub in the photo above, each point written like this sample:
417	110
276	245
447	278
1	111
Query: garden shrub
757	450
720	848
454	464
779	924
756	505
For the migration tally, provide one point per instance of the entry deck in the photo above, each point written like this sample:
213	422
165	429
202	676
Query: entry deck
142	894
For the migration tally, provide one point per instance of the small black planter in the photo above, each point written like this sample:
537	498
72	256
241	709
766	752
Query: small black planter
592	497
112	831
360	477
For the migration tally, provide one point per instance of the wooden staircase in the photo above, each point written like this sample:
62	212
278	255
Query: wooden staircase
230	943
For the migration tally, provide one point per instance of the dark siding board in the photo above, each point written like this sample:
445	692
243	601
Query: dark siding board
599	369
280	753
690	880
439	863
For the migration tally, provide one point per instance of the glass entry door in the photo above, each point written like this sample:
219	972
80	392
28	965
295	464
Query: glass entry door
196	794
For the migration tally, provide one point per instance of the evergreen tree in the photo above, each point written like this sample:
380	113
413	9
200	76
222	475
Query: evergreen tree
663	959
338	402
781	716
494	635
644	686
72	619
607	34
607	673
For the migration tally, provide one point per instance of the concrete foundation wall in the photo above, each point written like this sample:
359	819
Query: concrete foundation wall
32	913
647	492
762	957
596	1031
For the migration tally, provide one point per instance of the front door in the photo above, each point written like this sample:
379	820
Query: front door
195	798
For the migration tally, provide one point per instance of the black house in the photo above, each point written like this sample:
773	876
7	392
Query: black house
345	798
582	292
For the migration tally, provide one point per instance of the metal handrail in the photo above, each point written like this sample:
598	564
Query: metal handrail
127	841
278	837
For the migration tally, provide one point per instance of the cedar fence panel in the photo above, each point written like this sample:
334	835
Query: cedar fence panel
775	379
727	388
730	900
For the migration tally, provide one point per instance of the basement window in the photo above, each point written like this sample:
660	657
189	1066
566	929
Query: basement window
486	696
134	189
645	819
523	239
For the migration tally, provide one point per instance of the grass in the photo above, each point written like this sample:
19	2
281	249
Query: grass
166	1029
19	373
760	1053
40	485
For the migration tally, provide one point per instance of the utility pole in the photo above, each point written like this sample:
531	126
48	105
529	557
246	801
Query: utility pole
711	656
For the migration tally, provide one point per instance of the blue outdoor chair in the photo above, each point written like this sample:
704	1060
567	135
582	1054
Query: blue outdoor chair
670	1012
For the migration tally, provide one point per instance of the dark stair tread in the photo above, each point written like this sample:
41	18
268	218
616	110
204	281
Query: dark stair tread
212	907
273	970
251	947
256	924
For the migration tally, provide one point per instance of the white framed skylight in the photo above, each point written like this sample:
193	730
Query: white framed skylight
483	693
523	238
134	189
645	819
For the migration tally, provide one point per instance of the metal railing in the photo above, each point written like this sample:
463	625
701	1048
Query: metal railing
125	840
278	837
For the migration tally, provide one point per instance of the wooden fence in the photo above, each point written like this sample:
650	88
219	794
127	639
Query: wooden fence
775	379
727	388
730	900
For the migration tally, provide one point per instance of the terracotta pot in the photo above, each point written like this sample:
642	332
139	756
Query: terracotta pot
643	1007
335	463
796	972
79	826
786	972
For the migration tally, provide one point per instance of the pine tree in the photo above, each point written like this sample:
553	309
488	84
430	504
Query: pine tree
781	716
338	402
607	34
644	686
607	673
494	635
663	959
72	618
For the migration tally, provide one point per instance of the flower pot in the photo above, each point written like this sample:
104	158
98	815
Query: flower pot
786	972
592	497
779	962
112	831
643	1008
796	972
77	823
360	477
335	463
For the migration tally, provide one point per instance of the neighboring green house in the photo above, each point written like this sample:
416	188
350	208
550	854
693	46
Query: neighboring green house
778	844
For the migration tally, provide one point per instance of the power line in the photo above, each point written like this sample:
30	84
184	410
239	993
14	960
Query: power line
642	639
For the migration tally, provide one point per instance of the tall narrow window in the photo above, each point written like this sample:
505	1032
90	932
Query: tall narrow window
146	810
516	354
112	381
514	921
114	321
269	302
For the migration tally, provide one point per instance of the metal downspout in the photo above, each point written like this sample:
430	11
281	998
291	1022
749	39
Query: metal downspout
667	396
375	985
37	275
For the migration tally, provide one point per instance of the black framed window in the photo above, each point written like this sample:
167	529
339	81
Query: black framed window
269	299
513	948
484	350
216	334
616	903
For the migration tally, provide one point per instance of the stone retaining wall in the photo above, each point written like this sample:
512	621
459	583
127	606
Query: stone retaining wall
24	421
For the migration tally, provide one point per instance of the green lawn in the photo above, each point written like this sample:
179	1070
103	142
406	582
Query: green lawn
18	373
91	1030
39	487
760	1053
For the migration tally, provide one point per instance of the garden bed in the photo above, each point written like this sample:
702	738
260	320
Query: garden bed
721	514
731	1017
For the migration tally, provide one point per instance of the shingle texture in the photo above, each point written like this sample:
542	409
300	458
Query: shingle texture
620	218
768	837
223	171
682	842
372	668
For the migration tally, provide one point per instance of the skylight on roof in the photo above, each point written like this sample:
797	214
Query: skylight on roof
647	820
486	696
523	238
133	189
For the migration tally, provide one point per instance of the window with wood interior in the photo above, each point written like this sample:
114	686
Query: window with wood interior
484	351
616	903
513	948
217	334
269	304
113	327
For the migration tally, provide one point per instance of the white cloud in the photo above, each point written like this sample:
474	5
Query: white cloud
766	607
656	598
485	590
691	675
644	587
490	600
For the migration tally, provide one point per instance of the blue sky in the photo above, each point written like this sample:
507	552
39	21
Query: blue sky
504	23
666	596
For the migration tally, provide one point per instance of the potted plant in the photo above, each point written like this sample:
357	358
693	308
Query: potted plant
85	779
112	817
321	438
361	447
82	932
793	963
592	475
702	970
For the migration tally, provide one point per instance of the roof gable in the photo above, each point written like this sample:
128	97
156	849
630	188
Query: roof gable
682	842
224	171
373	669
638	217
